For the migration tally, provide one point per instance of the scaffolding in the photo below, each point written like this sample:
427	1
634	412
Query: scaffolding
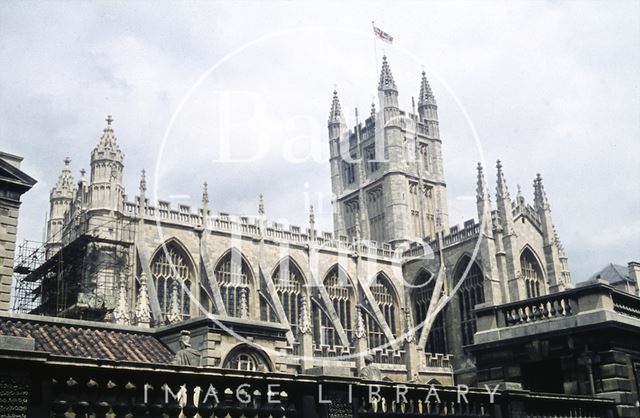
30	256
80	280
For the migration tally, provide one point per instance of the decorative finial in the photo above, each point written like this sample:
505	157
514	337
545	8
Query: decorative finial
373	109
312	216
426	94
67	161
143	181
143	309
205	194
175	313
305	319
409	332
361	330
243	305
386	78
261	205
109	120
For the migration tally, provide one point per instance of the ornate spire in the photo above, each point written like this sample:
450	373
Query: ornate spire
305	319
312	223
426	94
261	205
373	110
386	78
361	330
335	115
243	306
539	196
143	182
481	188
175	312
502	192
65	184
205	195
143	309
108	140
121	311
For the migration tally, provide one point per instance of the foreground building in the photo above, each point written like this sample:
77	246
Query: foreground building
140	293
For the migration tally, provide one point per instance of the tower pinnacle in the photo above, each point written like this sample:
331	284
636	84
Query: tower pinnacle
335	115
386	78
426	94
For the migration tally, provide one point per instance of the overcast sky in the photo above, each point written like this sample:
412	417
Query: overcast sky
549	87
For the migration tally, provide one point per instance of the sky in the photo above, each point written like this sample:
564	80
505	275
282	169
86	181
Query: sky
238	93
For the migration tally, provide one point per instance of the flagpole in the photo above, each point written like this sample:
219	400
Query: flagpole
375	48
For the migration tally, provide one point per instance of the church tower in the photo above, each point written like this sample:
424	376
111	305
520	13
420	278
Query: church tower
60	200
106	189
386	173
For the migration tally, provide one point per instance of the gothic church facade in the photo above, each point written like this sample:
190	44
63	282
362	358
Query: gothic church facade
296	291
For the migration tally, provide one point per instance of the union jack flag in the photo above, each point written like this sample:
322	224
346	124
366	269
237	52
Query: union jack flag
382	34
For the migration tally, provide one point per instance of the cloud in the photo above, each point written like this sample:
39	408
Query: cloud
550	87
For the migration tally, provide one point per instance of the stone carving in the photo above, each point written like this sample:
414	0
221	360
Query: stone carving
370	371
175	312
409	332
305	319
143	310
121	312
186	355
361	330
244	306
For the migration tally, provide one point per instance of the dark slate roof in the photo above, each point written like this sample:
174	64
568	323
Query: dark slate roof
88	342
614	273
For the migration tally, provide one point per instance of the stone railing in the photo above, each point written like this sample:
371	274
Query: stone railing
539	309
587	298
457	234
626	304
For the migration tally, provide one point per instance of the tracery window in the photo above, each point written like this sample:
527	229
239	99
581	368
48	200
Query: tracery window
340	292
470	294
349	173
375	209
351	215
234	279
436	341
289	284
370	155
531	273
169	267
382	293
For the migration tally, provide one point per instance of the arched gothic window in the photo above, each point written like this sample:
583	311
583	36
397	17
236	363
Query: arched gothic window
340	292
531	273
289	284
234	279
170	266
437	341
470	294
382	293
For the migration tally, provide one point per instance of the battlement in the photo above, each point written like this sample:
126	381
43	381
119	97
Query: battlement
250	225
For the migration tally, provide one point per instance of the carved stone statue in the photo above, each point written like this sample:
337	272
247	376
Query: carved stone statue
370	371
186	355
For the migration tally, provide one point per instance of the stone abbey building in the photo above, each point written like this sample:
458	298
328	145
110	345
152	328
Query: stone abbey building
365	278
239	292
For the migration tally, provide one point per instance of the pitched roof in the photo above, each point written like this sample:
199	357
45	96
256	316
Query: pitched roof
88	342
613	273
